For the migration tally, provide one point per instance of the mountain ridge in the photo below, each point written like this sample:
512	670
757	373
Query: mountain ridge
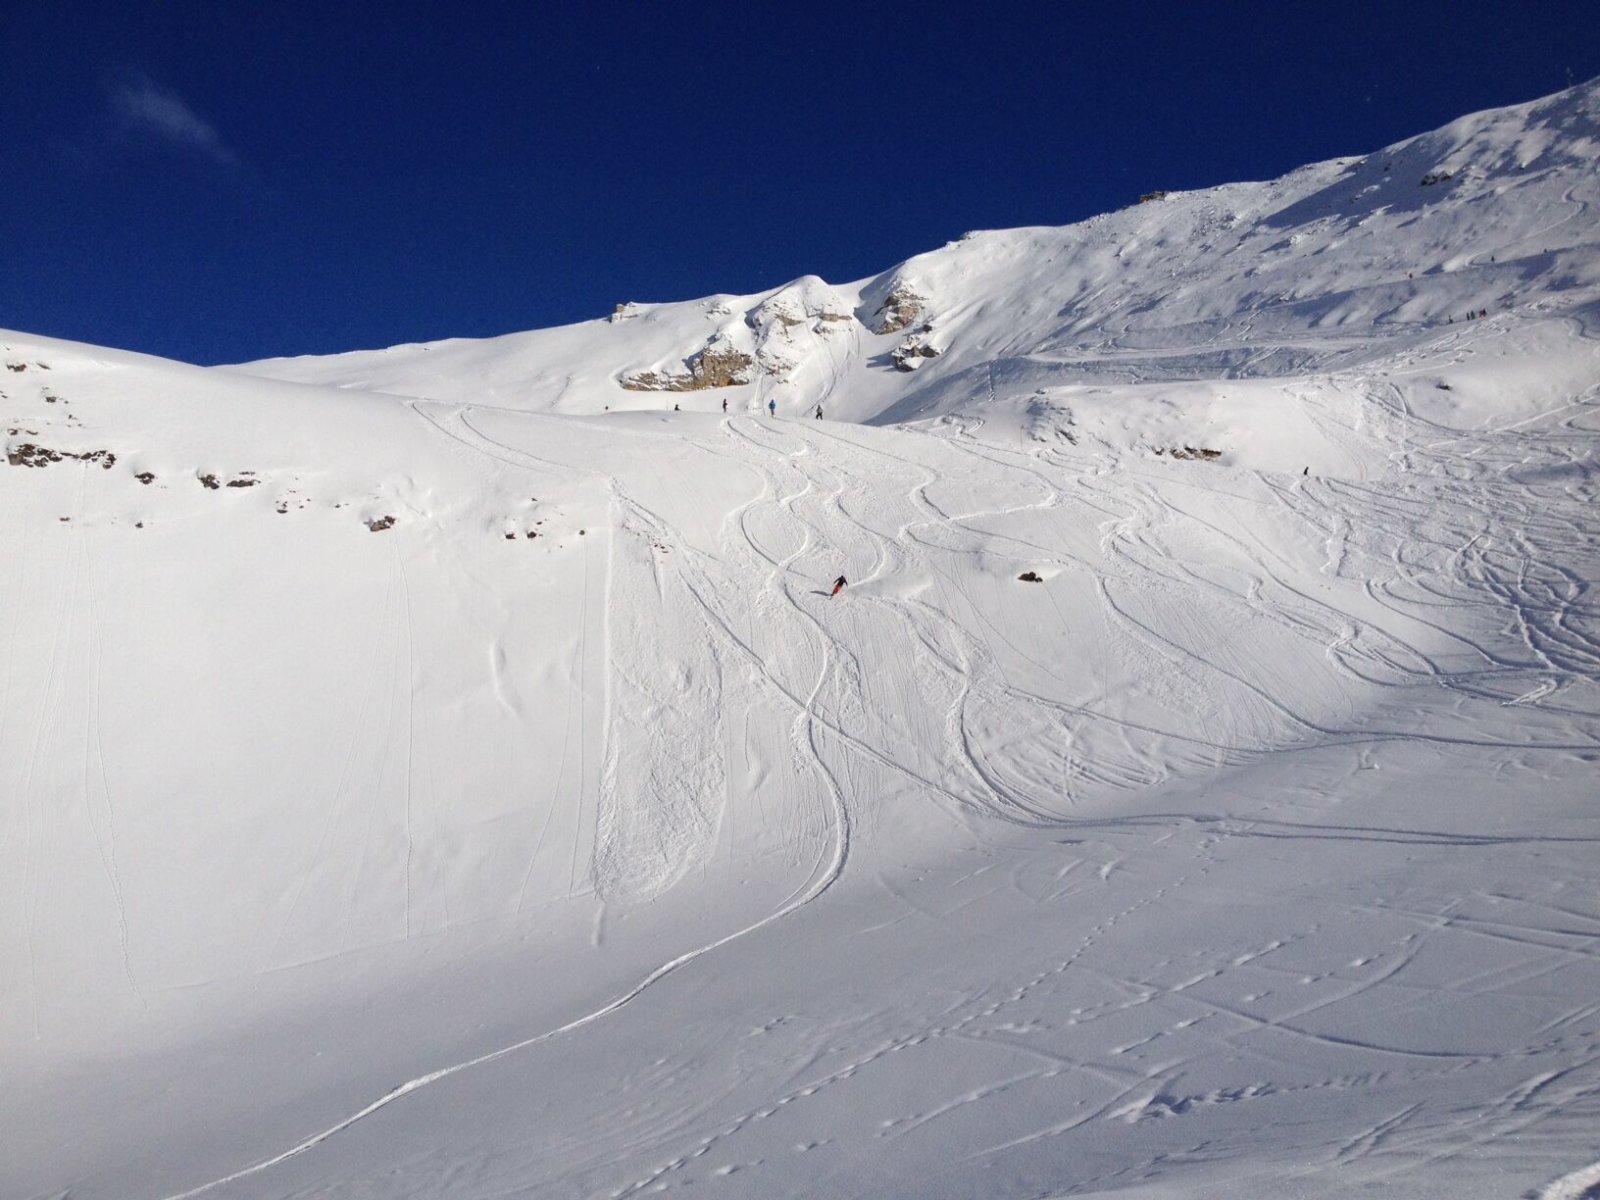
1162	273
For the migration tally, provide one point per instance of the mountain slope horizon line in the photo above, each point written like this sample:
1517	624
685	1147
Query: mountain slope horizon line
1181	268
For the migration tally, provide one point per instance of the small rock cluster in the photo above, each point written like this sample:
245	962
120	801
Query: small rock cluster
26	454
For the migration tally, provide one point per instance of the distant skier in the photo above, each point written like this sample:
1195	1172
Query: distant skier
772	407
724	404
819	412
838	585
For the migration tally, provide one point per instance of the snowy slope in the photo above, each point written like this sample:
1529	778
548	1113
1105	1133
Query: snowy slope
442	772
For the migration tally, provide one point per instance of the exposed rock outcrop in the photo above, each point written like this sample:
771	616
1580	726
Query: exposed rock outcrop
776	338
716	364
901	309
26	454
807	303
793	324
648	381
719	364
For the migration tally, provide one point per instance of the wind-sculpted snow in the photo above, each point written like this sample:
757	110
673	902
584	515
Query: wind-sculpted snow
1190	793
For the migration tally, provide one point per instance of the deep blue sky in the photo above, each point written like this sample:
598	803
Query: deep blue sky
219	182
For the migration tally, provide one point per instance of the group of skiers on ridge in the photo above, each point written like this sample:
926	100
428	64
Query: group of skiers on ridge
772	408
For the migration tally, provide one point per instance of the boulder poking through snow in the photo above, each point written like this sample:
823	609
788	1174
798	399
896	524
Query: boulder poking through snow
900	309
913	352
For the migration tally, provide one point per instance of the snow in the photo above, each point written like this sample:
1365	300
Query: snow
472	789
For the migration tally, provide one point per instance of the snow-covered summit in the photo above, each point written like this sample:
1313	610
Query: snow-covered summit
1493	213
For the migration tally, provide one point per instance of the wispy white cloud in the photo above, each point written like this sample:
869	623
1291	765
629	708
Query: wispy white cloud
145	108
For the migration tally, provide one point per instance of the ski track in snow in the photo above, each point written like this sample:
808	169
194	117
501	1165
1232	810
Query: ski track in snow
826	875
94	757
800	510
1580	1185
408	682
1336	628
